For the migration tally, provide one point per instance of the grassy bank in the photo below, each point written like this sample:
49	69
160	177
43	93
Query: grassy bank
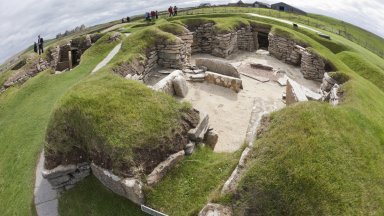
24	116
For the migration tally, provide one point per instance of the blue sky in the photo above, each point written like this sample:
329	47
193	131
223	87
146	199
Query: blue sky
23	20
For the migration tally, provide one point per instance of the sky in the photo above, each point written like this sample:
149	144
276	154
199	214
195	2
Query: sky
23	20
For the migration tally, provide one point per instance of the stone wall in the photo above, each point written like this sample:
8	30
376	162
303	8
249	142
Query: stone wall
284	49
65	177
312	65
205	40
247	39
202	38
177	53
224	45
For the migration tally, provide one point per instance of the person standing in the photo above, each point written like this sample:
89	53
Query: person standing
153	15
157	15
128	19
170	10
175	11
41	44
35	47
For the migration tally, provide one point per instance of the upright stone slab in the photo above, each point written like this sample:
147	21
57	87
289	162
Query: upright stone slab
160	170
180	86
294	93
232	83
218	66
197	134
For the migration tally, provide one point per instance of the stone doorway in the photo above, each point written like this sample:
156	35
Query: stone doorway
75	55
263	40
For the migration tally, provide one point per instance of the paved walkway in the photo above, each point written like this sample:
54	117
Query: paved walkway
46	199
284	21
108	58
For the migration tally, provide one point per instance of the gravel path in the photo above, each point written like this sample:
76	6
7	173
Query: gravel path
108	58
284	21
46	198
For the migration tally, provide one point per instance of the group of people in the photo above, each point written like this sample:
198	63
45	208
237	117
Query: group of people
172	11
39	46
126	20
151	16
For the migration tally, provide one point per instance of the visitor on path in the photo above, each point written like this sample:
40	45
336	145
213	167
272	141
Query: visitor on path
147	16
170	10
175	11
157	15
153	15
40	42
128	19
35	47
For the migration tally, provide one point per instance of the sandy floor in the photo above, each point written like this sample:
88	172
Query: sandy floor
230	112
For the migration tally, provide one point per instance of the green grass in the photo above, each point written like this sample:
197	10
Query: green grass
4	76
187	188
24	116
114	116
91	198
364	68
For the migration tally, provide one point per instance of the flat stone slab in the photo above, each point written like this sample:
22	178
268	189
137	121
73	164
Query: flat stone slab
159	172
294	93
197	134
218	66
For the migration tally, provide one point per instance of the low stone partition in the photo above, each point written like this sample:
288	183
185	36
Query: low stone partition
173	84
65	177
130	188
218	66
232	83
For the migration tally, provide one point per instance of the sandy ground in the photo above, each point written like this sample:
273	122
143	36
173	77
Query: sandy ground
230	112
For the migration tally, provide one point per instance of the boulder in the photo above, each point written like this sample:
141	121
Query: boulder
130	188
197	134
218	66
159	172
211	138
166	84
180	86
212	209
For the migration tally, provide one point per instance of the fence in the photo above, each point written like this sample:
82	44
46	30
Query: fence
288	16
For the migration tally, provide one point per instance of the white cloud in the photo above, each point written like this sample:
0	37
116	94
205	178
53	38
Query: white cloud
23	20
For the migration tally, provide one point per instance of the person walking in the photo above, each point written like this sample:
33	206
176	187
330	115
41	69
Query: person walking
153	15
170	10
175	11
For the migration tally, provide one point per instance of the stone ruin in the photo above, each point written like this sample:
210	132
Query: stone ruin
176	55
67	56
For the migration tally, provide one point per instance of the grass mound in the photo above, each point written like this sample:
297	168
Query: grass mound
118	124
364	67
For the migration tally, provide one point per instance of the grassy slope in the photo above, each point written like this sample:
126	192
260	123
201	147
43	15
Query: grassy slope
91	198
23	118
187	188
319	160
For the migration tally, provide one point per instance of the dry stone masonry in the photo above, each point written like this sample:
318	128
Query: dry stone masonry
284	49
232	83
312	65
65	177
